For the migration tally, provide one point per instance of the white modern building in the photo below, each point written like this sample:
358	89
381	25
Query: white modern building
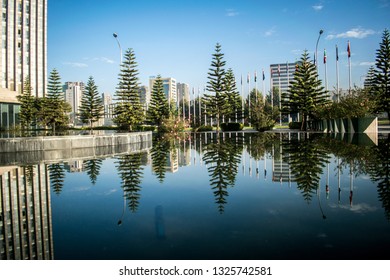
23	53
73	94
170	89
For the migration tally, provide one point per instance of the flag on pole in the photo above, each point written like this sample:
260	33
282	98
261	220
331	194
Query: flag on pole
255	76
248	78
263	75
324	56
349	49
279	69
241	79
337	53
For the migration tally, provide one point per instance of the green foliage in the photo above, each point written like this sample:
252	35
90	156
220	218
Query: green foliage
216	103
52	109
57	176
262	117
306	160
356	105
159	106
380	80
234	108
130	171
129	111
295	125
305	93
91	109
204	128
28	108
172	125
232	126
222	159
92	168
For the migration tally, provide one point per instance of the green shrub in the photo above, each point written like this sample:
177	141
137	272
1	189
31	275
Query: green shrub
295	125
204	128
232	126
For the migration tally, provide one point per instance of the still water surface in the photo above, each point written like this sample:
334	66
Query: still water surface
252	196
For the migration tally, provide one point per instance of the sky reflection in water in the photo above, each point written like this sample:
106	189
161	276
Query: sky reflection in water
252	196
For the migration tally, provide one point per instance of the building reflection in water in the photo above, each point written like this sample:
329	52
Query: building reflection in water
25	213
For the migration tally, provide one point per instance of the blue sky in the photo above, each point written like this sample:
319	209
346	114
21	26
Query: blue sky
177	38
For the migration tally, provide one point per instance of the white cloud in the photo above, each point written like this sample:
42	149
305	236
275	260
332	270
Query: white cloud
357	33
270	32
76	64
318	7
104	59
367	63
231	13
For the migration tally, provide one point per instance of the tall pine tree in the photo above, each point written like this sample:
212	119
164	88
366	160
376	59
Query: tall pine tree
159	106
91	109
129	111
305	94
28	109
53	109
216	102
381	88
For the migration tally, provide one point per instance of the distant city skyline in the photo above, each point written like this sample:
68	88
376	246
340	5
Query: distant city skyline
177	39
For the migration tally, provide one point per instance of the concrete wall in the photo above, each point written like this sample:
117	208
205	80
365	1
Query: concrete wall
53	148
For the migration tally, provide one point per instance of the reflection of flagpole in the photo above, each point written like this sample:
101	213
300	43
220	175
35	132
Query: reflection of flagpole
319	202
338	178
327	182
351	184
123	210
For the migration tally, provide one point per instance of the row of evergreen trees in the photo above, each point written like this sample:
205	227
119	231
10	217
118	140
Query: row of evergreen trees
52	110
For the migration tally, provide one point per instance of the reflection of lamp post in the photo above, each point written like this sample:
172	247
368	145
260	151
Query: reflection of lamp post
316	58
119	45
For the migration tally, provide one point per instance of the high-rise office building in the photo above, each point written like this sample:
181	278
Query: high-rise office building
23	53
73	94
170	90
183	92
281	75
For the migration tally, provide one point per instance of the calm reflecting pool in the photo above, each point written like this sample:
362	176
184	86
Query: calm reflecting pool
237	196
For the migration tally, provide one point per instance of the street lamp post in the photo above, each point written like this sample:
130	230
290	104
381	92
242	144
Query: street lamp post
119	45
316	58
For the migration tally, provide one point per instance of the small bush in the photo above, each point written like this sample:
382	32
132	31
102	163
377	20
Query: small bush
204	128
146	128
231	126
295	125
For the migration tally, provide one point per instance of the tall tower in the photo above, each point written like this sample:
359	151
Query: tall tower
23	45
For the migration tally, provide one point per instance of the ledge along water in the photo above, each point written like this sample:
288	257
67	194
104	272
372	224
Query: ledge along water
16	151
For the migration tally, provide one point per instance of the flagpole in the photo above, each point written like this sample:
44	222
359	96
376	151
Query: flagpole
349	64
256	86
271	90
200	108
249	99
242	102
288	85
263	85
326	72
337	73
193	102
280	99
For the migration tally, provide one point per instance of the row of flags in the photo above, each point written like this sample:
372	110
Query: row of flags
337	52
248	79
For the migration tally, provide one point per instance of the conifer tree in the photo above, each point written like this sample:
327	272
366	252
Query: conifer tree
216	102
159	106
27	105
129	111
53	109
381	88
305	93
91	109
233	96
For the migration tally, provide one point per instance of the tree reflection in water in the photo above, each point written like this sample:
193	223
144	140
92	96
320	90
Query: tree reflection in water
222	157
